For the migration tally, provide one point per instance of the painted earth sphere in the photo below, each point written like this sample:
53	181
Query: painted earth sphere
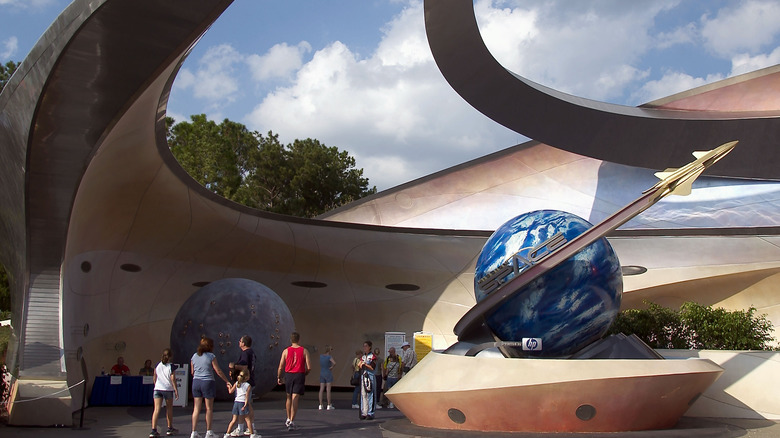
225	310
569	306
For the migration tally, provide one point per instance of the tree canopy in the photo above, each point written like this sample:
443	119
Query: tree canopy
305	178
696	327
6	71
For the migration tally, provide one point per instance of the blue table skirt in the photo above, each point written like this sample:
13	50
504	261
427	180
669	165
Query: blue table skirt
132	392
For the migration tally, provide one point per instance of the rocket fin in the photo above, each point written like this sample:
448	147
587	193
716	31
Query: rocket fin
665	173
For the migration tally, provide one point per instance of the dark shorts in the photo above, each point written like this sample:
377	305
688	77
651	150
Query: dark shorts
204	388
294	383
326	377
238	409
167	395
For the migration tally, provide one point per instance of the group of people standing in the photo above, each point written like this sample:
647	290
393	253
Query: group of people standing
294	366
203	367
370	373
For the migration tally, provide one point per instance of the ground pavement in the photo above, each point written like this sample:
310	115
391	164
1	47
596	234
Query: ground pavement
134	422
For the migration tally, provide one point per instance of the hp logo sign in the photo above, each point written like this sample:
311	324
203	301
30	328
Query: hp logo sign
532	344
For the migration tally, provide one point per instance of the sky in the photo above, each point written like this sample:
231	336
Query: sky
359	75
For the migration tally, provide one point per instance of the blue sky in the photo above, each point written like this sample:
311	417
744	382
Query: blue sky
358	74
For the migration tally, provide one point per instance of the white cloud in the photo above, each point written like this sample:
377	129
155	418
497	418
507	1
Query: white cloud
587	49
670	83
24	4
9	48
214	80
749	26
393	111
404	43
744	63
177	117
387	170
280	61
687	34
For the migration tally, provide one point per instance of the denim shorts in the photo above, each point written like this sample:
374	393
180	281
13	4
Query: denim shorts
204	388
167	395
238	409
326	377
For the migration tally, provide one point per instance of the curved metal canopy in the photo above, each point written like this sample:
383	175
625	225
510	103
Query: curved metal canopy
635	136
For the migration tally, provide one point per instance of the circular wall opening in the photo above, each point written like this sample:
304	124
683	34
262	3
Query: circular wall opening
129	267
632	270
456	415
405	287
309	284
86	266
585	412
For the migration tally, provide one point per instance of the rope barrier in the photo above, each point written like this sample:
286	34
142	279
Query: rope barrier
49	395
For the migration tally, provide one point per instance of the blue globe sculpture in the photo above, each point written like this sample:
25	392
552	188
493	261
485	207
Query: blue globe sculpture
567	307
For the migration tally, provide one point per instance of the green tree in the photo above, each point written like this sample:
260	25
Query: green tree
305	178
6	71
323	178
696	327
720	329
267	179
657	326
215	155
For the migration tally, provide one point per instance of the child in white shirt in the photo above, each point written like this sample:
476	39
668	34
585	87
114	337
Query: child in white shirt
241	405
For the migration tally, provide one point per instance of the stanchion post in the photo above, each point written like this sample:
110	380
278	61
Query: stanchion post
83	392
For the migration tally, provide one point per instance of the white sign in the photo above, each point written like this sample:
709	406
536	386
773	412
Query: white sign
181	375
532	344
395	340
147	380
116	380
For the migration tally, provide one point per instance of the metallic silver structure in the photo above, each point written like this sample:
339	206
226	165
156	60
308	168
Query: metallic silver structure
105	236
649	136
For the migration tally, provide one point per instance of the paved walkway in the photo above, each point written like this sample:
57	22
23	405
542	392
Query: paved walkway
134	422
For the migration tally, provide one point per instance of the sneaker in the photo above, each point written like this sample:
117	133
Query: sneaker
171	431
369	417
331	407
210	434
291	426
391	406
355	406
236	432
154	434
227	435
255	435
321	408
378	406
194	434
287	423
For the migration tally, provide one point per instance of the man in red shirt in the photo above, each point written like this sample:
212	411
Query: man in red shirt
296	365
120	369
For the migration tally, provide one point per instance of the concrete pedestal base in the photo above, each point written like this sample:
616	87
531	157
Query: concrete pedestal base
40	403
550	395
